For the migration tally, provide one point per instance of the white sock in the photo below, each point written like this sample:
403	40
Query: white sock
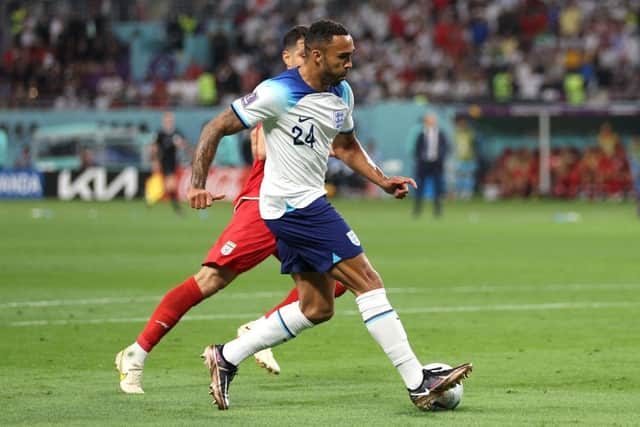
258	320
283	325
384	325
136	353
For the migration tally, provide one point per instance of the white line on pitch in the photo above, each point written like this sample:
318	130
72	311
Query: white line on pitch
417	310
273	294
126	300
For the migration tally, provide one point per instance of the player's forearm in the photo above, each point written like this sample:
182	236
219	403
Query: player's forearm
226	123
204	153
357	159
370	170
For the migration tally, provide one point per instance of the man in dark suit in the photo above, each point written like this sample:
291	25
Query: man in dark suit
430	153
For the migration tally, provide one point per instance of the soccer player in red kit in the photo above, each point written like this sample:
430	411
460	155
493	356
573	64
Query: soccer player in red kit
244	243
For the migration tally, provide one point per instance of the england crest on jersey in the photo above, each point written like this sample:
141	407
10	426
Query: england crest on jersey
338	118
228	248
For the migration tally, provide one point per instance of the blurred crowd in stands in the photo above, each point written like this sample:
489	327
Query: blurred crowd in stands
599	172
65	53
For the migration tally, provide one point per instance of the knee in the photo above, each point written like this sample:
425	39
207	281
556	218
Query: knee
212	279
318	313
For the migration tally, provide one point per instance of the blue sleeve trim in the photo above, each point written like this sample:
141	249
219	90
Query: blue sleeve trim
237	113
348	131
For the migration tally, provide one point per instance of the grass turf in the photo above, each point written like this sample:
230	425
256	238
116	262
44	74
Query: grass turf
545	309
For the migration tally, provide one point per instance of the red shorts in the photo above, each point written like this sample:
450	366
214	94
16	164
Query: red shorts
245	242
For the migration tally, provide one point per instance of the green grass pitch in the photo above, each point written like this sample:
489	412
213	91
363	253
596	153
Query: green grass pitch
547	310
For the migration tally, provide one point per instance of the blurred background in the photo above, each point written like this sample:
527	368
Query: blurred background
533	98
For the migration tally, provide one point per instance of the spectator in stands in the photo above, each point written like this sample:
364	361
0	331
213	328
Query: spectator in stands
608	140
570	20
159	95
207	90
589	176
468	42
464	141
520	173
24	159
564	181
503	85
574	88
514	174
87	158
227	83
219	45
22	140
430	153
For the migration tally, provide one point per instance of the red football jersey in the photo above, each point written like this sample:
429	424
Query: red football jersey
251	188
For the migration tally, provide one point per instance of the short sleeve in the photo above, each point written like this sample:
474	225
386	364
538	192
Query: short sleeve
268	100
348	125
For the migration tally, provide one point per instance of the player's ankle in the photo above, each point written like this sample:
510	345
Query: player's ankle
136	353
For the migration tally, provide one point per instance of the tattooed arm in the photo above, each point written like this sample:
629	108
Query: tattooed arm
226	123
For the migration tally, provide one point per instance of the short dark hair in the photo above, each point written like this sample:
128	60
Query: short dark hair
291	37
321	32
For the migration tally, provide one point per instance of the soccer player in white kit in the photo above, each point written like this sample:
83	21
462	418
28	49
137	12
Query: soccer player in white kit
306	112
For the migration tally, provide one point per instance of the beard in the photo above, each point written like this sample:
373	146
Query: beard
331	79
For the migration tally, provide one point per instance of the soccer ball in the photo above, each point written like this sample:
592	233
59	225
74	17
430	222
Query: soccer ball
452	397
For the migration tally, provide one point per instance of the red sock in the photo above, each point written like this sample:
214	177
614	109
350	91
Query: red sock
293	296
174	304
340	289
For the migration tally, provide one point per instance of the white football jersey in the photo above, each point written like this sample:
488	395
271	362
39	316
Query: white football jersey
299	125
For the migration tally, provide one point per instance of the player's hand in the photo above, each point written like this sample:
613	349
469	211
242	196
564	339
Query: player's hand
200	198
398	186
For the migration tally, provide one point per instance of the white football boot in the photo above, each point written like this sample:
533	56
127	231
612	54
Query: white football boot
264	358
130	372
